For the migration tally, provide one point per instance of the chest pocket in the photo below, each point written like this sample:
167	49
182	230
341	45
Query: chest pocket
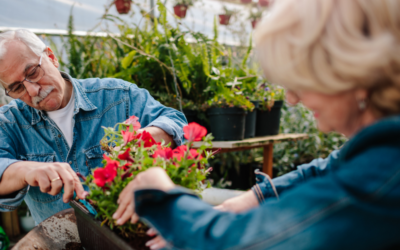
34	193
94	156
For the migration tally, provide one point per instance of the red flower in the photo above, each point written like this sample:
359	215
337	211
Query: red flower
179	152
163	153
194	132
111	163
128	136
126	166
146	138
126	156
134	121
104	175
193	154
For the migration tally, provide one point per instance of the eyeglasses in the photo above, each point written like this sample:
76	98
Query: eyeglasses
17	89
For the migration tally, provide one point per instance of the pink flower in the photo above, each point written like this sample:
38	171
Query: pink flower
128	136
133	120
194	132
126	156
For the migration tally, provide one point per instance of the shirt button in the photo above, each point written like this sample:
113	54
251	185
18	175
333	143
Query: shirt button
70	162
59	135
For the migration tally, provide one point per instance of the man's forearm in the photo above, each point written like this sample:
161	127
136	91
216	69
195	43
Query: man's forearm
159	135
13	178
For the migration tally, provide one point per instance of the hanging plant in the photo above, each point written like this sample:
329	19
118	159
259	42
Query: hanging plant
224	18
254	23
180	10
255	17
181	7
263	3
123	6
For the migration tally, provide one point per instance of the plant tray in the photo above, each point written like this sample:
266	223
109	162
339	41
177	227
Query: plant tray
93	235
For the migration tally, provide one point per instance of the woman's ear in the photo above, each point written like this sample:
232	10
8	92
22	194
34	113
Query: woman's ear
52	57
361	96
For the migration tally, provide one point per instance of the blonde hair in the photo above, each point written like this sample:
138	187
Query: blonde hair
331	46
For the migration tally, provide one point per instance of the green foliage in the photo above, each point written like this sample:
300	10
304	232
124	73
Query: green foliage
184	2
179	68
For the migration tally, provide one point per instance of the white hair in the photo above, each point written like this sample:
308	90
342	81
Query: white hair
331	46
27	37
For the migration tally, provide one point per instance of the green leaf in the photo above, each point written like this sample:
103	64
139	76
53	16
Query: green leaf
127	61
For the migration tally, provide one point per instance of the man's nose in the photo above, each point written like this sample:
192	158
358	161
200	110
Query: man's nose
33	89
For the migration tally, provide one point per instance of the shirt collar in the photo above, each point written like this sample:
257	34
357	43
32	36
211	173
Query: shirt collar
81	100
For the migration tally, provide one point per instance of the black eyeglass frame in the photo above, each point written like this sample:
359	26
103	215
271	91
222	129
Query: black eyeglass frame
39	66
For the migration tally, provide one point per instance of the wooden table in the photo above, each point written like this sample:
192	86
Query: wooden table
266	142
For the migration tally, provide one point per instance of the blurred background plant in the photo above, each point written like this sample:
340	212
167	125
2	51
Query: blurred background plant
188	70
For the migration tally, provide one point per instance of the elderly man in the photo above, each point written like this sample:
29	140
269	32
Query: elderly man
52	129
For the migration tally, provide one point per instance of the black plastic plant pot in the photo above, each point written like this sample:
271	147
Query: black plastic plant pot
227	124
191	115
251	118
268	121
94	236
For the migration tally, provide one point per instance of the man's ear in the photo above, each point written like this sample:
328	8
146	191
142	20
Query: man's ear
52	57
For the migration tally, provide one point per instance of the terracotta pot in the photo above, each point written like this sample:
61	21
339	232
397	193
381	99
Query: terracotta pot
245	1
224	19
263	3
123	6
180	10
254	23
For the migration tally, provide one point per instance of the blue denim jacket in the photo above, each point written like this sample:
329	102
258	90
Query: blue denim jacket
351	200
29	134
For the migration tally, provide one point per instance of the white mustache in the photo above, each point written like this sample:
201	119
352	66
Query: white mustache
44	92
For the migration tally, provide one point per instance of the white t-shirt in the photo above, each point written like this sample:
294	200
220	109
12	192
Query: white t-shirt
63	119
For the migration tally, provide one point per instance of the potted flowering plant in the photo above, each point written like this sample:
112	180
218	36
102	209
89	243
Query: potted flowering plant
269	110
129	152
255	17
123	6
225	17
181	7
227	114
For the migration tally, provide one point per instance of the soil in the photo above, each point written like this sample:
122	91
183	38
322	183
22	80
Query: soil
138	242
74	246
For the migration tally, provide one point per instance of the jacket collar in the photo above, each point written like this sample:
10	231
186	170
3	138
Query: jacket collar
81	100
384	132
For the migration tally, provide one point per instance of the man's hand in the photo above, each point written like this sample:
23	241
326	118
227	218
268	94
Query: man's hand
153	178
50	177
240	203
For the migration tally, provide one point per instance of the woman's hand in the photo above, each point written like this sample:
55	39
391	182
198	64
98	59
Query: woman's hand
239	203
153	178
157	242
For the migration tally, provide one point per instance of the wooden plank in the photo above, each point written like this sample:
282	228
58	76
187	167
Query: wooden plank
10	223
268	159
253	142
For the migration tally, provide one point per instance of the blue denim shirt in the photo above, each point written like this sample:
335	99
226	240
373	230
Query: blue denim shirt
351	200
29	134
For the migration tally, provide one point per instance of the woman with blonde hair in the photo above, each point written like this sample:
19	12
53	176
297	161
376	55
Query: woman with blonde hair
341	59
